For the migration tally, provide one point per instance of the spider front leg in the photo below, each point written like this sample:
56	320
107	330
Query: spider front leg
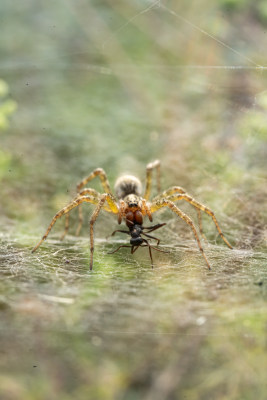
155	206
64	211
104	182
149	168
106	186
111	206
203	208
90	192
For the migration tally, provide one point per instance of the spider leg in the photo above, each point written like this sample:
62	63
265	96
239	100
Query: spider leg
155	206
103	177
169	192
67	225
201	207
75	203
84	192
106	186
64	211
178	189
106	197
200	224
149	168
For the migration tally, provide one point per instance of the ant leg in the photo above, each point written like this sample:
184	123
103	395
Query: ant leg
153	228
152	237
114	251
119	230
150	252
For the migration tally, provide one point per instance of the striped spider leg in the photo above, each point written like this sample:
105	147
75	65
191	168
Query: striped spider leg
158	204
153	165
98	172
106	202
178	189
172	196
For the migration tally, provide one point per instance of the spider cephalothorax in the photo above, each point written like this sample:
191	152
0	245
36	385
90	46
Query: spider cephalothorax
132	208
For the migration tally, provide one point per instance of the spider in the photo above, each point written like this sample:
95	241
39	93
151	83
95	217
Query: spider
131	207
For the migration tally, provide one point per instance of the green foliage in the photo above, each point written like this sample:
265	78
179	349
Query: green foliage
7	106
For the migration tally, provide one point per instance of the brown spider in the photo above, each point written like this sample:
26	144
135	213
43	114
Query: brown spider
131	207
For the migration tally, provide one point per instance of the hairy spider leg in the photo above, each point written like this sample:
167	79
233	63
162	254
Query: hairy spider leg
103	178
111	205
106	186
178	189
106	197
155	206
203	208
199	217
64	211
97	195
149	168
84	192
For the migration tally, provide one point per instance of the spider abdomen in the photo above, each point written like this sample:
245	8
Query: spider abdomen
128	184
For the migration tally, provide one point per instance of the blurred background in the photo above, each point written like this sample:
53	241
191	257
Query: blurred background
90	84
